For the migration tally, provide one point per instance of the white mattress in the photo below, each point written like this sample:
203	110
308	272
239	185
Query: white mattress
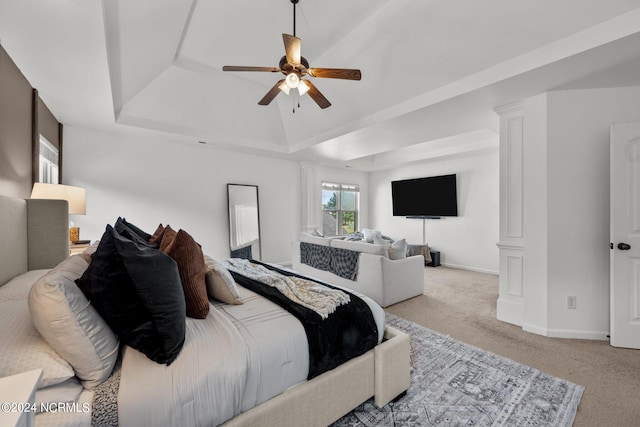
231	361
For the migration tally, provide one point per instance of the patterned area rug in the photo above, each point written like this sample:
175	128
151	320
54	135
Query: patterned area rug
455	384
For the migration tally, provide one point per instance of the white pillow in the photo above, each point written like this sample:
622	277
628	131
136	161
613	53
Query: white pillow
22	348
398	249
18	288
369	234
70	324
220	283
378	240
67	391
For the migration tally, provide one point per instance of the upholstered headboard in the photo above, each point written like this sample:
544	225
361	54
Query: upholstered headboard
34	234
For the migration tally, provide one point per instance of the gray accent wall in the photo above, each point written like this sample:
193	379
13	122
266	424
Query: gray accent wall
15	129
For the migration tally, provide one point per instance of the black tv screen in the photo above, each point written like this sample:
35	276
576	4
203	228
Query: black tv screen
431	197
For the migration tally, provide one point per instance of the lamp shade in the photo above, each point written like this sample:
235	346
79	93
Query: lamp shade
75	196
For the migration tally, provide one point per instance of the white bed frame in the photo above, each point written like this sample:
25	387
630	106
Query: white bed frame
382	373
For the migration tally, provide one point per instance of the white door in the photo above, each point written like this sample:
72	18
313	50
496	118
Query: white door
625	235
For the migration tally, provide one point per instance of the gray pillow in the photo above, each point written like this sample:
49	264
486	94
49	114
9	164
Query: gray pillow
369	234
398	249
72	326
220	283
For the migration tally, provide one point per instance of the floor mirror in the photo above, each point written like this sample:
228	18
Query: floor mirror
244	221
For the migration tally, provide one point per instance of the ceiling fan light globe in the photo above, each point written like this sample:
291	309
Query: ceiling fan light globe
292	80
303	87
284	87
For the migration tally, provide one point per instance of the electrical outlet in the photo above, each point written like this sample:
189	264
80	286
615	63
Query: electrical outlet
571	302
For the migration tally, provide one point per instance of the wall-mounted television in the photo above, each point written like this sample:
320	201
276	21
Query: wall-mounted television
433	196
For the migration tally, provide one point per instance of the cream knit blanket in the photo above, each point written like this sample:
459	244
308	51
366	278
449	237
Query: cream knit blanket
314	296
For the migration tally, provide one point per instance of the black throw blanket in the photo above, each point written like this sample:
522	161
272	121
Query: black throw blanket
347	333
341	262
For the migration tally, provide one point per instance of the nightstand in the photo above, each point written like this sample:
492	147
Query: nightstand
77	248
17	397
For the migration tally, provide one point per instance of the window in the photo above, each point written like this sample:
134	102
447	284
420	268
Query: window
339	208
48	162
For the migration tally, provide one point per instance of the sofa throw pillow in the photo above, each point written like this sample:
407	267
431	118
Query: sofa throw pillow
370	234
137	291
398	249
220	283
188	255
378	240
72	326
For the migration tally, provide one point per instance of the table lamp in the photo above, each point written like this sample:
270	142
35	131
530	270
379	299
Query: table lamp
75	196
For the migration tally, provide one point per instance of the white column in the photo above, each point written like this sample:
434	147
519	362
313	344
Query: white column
512	239
309	197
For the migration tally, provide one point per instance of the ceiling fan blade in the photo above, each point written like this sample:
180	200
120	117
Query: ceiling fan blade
292	49
315	94
335	73
241	68
273	92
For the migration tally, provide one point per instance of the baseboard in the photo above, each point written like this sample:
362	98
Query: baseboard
528	327
477	270
581	335
566	333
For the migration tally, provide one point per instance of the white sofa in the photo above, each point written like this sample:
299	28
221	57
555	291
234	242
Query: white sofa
384	280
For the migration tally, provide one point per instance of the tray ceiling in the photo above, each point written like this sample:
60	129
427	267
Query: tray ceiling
432	71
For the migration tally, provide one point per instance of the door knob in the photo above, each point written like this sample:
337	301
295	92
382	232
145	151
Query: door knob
624	246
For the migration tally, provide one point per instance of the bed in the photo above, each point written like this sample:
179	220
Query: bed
240	365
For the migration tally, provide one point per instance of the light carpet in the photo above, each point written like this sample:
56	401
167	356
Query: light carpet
455	384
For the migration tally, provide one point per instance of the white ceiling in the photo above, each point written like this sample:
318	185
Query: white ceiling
432	70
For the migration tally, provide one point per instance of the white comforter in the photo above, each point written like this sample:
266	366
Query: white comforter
235	359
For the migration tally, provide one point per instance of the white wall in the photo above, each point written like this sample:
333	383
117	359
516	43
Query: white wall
158	180
153	180
467	241
567	221
536	240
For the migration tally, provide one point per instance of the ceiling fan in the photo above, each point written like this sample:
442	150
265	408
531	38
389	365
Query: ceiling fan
295	67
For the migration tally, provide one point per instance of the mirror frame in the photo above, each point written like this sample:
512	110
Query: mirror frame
257	256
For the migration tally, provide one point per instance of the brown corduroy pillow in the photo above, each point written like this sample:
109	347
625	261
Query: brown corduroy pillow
156	237
188	255
166	238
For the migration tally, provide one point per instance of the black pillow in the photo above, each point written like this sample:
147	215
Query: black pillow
137	291
132	232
